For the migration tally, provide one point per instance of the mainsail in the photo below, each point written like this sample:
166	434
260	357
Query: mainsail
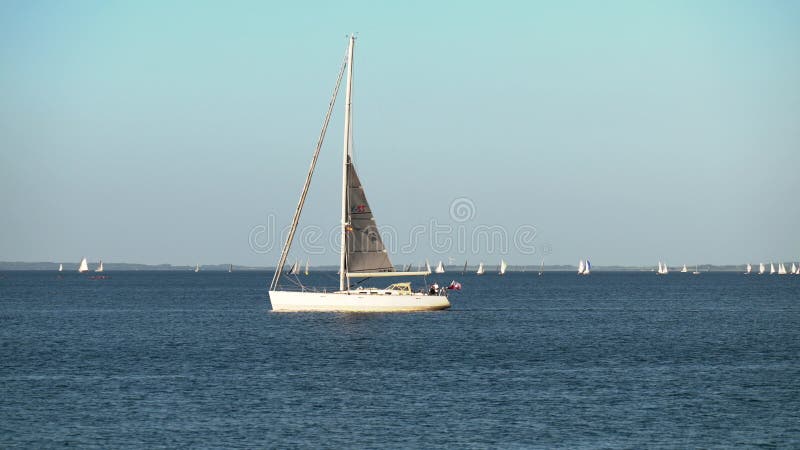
365	250
84	266
480	269
503	267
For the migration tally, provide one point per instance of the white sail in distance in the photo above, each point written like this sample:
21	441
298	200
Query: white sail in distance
84	266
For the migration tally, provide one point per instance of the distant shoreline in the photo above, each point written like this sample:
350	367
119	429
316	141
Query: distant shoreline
73	267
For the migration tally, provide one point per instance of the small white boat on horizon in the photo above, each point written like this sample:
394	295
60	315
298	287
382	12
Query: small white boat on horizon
748	270
684	269
662	269
503	267
84	266
197	268
100	267
771	268
761	269
587	267
439	268
480	270
60	267
696	271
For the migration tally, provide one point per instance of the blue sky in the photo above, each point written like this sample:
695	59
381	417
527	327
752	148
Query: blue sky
626	132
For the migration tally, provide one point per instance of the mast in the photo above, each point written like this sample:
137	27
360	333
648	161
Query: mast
343	283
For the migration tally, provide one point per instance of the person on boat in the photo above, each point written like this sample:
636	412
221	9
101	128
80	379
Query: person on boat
434	289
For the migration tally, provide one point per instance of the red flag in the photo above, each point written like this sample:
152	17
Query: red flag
454	286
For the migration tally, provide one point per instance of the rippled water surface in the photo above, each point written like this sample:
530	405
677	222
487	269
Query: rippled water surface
149	359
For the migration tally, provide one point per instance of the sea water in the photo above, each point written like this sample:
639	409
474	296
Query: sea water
174	359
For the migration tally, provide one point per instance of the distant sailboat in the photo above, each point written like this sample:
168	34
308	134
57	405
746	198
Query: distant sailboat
230	268
588	269
662	269
427	266
84	266
306	271
541	268
684	269
295	268
794	269
748	269
781	269
503	267
100	267
61	267
197	268
439	268
771	268
480	269
581	267
761	269
464	270
696	272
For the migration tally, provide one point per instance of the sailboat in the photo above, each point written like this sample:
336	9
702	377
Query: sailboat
794	269
362	253
696	271
748	269
588	269
197	268
581	267
230	268
84	266
781	269
427	266
100	267
306	271
439	268
541	268
684	269
61	267
295	270
662	269
761	269
503	267
464	270
771	268
480	269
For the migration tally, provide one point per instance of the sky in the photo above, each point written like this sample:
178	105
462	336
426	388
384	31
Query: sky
626	132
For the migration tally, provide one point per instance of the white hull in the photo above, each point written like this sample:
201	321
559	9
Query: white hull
355	301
